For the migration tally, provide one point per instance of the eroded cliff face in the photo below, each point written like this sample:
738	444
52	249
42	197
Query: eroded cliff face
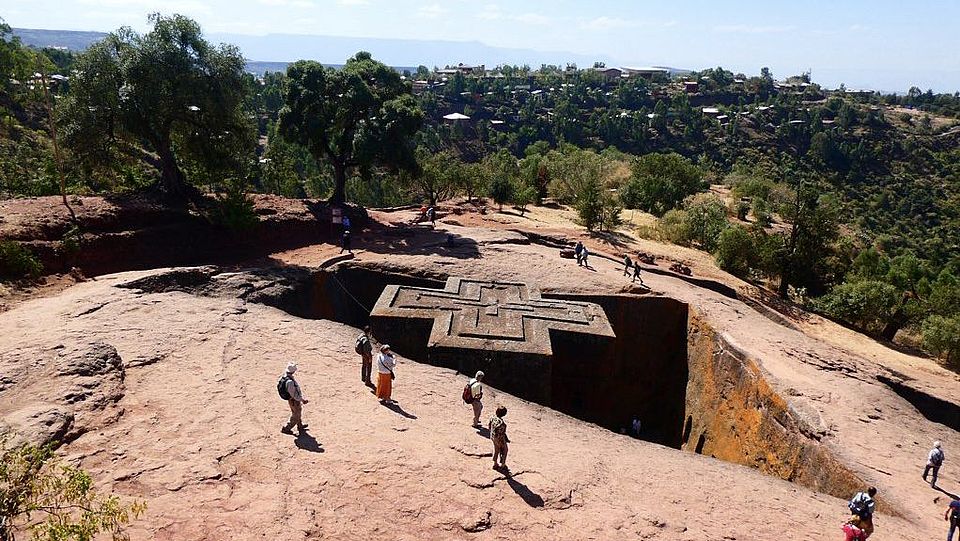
734	414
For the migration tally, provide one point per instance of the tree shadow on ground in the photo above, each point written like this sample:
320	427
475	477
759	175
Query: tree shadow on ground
530	497
613	238
415	240
395	407
308	443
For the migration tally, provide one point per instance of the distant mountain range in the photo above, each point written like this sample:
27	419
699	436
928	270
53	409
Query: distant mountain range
273	51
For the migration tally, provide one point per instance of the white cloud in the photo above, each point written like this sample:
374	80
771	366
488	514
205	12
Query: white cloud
604	23
289	3
490	12
354	2
608	23
176	6
432	11
531	18
748	29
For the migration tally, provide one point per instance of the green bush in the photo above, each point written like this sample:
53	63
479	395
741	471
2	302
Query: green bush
674	227
867	305
735	252
707	217
17	262
235	211
941	336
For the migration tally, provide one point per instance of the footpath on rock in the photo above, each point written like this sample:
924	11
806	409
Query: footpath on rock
161	382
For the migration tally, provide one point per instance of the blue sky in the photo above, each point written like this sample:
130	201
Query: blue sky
881	44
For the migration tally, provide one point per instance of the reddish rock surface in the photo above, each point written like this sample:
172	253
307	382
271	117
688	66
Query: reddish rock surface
186	416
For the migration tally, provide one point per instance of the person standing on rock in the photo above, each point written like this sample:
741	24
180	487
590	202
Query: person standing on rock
583	257
498	435
934	461
345	242
862	506
476	394
364	348
953	515
578	251
289	389
386	362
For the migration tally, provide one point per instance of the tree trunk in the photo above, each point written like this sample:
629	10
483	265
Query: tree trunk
173	185
339	184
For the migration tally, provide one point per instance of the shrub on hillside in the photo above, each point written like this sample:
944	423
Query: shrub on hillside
17	262
941	336
866	305
735	253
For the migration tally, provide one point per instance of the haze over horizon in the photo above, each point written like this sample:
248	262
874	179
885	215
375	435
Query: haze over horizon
879	45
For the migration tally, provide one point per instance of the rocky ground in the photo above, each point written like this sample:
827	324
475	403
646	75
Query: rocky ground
168	394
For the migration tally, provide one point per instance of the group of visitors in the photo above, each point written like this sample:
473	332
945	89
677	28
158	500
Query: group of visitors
289	390
862	506
581	252
627	265
860	525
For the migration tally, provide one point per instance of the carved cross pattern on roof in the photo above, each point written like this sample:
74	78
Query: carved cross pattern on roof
498	315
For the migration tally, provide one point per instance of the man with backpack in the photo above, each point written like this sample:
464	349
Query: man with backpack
289	390
473	395
934	461
953	515
862	506
627	263
364	348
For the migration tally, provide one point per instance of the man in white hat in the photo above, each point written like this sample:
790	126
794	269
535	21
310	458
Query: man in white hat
934	461
476	391
294	397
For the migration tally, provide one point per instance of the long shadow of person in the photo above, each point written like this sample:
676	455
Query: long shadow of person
483	432
393	406
308	443
954	496
530	497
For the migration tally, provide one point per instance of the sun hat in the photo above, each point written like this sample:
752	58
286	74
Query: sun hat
291	368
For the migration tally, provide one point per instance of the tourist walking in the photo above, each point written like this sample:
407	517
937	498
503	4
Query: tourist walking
636	274
432	216
475	395
290	391
626	265
952	515
386	362
862	506
583	257
578	251
364	348
934	461
498	435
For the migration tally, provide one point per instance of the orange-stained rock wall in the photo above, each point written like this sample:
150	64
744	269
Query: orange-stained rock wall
733	414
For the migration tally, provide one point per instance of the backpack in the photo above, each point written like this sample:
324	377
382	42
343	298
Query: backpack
282	387
859	505
467	394
362	340
937	458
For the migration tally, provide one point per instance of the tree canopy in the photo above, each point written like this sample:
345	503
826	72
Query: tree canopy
168	88
357	117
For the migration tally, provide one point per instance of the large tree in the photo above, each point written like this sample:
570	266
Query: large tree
169	90
360	116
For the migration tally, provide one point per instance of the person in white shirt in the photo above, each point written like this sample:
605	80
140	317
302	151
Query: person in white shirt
476	391
386	362
296	401
934	461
